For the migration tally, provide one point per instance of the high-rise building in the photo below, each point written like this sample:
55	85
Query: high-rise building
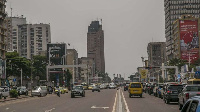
12	32
173	11
95	45
186	38
32	39
72	59
156	56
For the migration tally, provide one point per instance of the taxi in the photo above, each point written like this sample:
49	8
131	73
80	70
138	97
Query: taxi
135	89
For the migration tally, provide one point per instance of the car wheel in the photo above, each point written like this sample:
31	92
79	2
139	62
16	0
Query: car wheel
26	93
129	95
40	95
0	96
99	91
72	96
167	101
92	91
141	96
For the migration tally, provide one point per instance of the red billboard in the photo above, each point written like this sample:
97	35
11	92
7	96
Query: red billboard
189	40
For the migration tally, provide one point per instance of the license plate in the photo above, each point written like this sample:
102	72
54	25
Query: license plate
135	91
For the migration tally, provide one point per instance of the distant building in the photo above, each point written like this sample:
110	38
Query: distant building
186	38
12	32
32	39
87	73
174	9
95	45
72	59
156	56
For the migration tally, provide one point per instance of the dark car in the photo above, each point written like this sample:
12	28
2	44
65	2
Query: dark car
22	91
96	88
77	91
171	92
126	86
192	105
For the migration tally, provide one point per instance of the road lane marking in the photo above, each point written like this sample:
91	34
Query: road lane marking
49	110
125	102
7	108
115	103
94	107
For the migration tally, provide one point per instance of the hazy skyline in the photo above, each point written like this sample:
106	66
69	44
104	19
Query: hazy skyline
128	26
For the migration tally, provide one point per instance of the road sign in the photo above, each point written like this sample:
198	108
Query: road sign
14	80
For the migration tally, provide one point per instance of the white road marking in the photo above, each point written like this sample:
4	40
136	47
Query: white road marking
125	102
7	108
49	110
99	107
115	103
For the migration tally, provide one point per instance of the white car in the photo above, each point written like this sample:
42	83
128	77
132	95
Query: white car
4	92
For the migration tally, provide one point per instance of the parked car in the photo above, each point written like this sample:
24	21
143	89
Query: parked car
4	92
96	88
126	86
135	89
192	105
39	91
77	91
112	86
22	91
102	86
171	92
188	92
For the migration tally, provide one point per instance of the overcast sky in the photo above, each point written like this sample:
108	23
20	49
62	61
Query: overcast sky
129	25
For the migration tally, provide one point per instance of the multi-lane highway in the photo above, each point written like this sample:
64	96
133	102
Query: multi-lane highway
103	101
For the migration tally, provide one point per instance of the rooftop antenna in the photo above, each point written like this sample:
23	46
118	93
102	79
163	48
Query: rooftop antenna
11	8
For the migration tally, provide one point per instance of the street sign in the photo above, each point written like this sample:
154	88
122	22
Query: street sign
14	80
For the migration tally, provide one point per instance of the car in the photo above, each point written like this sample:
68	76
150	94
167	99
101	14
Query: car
39	91
102	86
96	88
171	92
112	86
126	86
135	89
192	105
90	87
188	92
4	92
77	91
22	91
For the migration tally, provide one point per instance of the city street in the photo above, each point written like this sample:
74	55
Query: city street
149	103
93	102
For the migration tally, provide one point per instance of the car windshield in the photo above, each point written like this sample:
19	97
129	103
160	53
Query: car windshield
193	88
135	85
175	87
36	88
78	87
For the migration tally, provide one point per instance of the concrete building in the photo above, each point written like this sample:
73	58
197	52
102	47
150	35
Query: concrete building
173	11
95	45
32	39
186	38
87	74
156	56
72	59
12	32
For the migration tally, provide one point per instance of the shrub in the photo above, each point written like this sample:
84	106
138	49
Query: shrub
13	93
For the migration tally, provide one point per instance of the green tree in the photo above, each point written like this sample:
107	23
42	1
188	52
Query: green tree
39	64
68	76
175	62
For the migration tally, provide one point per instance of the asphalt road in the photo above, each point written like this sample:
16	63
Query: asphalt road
149	103
93	102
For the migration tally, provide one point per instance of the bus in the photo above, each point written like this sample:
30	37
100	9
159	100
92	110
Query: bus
193	81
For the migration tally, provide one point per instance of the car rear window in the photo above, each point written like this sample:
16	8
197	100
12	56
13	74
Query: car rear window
193	88
175	87
135	85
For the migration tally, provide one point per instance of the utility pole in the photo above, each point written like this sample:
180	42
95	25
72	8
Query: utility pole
21	76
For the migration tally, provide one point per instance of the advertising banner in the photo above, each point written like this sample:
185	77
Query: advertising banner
189	40
143	72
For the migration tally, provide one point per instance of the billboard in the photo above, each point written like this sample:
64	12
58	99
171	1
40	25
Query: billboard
56	53
189	40
143	72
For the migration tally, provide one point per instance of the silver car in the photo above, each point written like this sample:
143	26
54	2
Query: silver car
188	92
39	91
4	92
